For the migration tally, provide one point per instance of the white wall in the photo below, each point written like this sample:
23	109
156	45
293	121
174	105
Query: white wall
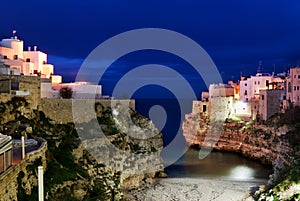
37	58
14	43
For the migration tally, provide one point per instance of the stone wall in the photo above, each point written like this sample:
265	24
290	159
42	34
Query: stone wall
60	110
31	84
9	184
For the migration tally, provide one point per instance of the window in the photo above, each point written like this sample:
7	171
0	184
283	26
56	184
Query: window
289	87
204	108
15	57
245	84
245	93
298	76
267	83
298	88
44	62
28	60
255	83
262	97
258	82
14	86
4	57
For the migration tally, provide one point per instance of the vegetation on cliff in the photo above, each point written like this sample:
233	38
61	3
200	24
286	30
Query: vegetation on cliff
276	142
287	184
72	172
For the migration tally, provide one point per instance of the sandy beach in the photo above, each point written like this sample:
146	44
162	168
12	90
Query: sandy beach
192	189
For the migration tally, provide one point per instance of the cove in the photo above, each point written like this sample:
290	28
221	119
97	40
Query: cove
218	165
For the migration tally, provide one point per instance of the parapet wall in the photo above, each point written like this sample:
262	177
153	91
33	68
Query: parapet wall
60	110
9	183
31	84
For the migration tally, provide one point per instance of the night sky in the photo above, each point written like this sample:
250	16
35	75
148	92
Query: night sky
238	35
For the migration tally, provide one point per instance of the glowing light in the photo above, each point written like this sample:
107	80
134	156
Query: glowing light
242	173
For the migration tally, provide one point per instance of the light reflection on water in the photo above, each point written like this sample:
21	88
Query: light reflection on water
218	165
242	173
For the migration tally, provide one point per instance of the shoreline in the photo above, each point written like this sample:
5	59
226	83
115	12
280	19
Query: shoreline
191	189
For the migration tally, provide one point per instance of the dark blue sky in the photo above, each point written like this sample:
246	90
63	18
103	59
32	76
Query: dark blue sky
236	34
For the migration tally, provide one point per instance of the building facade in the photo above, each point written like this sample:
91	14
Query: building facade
5	152
269	102
31	62
293	87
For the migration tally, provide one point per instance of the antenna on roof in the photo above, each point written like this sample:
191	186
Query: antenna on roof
259	68
14	33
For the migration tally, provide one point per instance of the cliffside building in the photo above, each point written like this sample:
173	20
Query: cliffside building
293	87
30	62
16	64
5	152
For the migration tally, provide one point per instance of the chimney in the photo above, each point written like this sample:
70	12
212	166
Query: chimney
35	48
29	48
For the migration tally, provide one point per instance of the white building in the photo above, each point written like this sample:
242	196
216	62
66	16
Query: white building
82	90
15	61
250	87
31	62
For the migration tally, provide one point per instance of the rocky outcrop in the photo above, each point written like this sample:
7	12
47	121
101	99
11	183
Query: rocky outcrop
275	142
255	141
94	166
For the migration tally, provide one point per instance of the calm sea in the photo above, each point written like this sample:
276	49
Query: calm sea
221	165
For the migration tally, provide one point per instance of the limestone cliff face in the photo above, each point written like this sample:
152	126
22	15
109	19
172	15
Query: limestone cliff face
267	144
91	167
275	141
131	145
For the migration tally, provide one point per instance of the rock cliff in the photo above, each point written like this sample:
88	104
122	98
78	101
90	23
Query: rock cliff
81	168
276	141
